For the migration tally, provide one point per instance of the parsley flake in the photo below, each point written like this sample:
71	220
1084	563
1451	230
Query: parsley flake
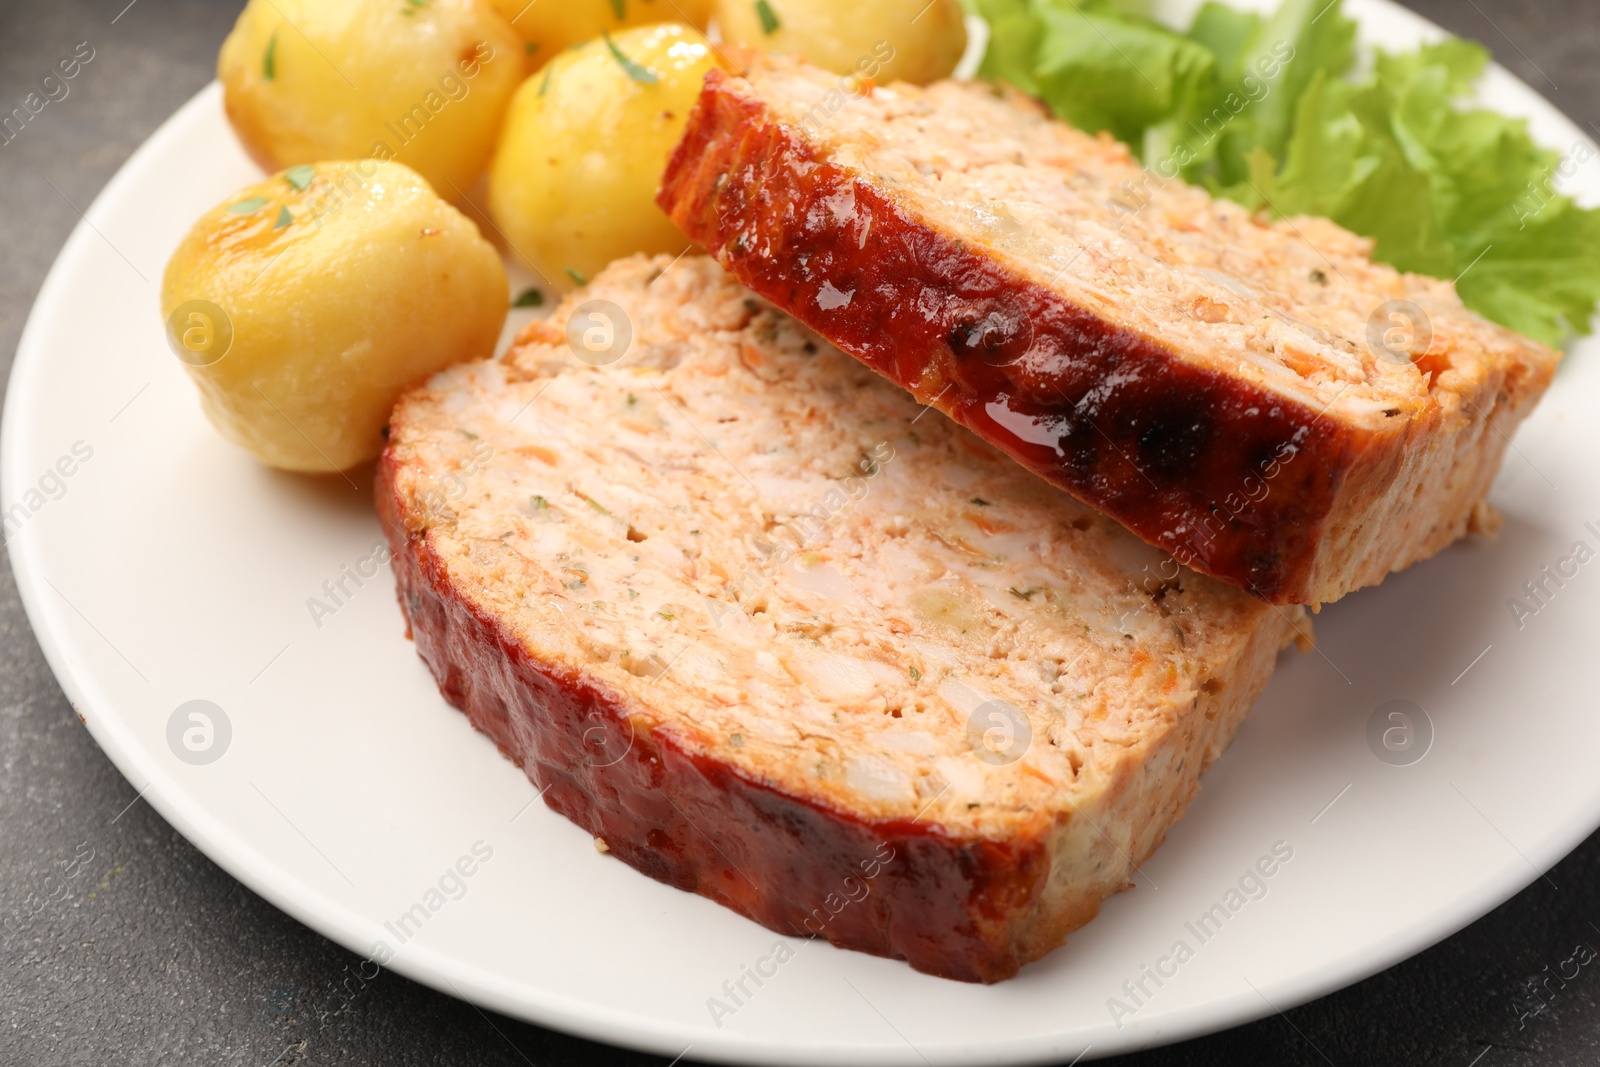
529	298
300	177
620	9
284	218
269	59
576	277
768	17
245	207
642	75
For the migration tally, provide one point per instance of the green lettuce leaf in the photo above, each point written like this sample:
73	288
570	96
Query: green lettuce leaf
1099	65
1084	66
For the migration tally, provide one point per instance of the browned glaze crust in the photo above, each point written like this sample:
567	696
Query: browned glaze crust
1234	480
897	888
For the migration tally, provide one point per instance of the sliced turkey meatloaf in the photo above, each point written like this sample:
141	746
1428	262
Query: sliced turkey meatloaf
777	635
1258	398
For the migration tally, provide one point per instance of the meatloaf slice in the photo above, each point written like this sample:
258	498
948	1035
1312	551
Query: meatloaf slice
776	635
1259	399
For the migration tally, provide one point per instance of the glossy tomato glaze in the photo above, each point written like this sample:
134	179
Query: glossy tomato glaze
901	888
1232	479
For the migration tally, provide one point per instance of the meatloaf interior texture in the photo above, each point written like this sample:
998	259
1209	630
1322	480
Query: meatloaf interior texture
1258	398
776	634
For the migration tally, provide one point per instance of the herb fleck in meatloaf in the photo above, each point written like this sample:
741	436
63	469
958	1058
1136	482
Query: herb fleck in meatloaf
1199	373
776	635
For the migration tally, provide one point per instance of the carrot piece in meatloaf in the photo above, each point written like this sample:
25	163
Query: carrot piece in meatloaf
1258	398
779	636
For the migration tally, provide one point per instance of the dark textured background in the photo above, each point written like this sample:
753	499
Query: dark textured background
155	956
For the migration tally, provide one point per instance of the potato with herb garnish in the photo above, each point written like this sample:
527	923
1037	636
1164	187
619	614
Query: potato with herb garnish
573	183
425	82
302	306
882	40
549	26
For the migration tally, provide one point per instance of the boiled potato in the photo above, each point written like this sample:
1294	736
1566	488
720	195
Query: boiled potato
573	183
884	40
549	26
424	83
302	306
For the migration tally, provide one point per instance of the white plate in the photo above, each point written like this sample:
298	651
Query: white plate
173	568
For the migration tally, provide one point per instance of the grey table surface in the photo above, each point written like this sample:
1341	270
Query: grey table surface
165	959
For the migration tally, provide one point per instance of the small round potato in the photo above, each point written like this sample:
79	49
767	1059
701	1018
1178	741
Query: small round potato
304	305
573	183
884	40
551	26
424	83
